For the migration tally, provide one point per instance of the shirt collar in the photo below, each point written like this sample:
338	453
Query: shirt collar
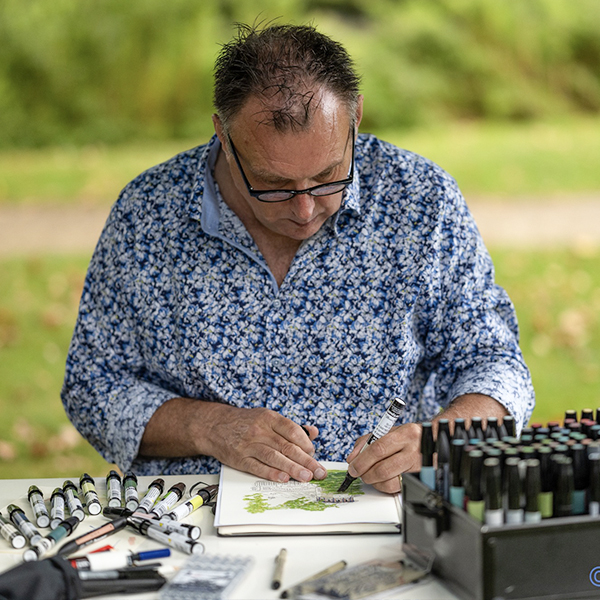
204	205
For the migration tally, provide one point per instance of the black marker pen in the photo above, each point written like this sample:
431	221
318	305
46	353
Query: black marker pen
563	495
475	501
92	536
443	464
514	512
457	489
594	500
391	415
427	473
494	515
580	478
533	486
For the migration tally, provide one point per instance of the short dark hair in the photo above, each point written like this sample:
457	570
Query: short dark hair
282	64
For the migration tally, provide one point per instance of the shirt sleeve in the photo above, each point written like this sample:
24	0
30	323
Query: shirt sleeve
107	393
474	341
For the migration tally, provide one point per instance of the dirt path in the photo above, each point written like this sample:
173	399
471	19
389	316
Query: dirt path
520	223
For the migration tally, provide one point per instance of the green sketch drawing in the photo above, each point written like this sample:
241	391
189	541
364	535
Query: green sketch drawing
303	496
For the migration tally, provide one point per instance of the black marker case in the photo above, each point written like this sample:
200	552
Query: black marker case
558	558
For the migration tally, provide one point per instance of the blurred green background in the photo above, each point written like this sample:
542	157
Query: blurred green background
504	95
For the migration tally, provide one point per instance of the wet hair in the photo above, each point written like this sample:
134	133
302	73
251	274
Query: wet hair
285	66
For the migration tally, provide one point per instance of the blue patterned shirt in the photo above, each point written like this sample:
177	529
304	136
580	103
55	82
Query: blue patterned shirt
394	296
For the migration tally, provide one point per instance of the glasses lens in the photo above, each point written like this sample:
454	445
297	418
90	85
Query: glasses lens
327	190
276	196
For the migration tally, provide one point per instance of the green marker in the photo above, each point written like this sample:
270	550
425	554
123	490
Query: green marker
88	488
475	501
46	544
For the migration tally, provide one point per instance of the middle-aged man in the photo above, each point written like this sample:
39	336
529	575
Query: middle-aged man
290	273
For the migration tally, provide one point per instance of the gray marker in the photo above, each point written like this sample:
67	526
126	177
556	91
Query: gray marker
130	491
57	508
174	540
10	533
24	525
73	502
88	488
155	489
36	500
113	489
172	497
184	529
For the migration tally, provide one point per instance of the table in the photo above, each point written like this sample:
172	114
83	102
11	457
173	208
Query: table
306	554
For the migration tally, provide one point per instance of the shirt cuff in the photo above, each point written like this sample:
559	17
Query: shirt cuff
511	388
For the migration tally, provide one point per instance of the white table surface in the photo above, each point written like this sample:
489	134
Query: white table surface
306	554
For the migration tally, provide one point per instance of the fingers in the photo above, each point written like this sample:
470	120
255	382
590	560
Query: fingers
264	443
383	461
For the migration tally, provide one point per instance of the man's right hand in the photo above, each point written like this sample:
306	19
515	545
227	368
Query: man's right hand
254	440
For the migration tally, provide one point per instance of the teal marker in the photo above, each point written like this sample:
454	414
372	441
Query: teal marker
46	544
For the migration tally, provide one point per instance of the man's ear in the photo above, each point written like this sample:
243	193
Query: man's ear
219	130
359	110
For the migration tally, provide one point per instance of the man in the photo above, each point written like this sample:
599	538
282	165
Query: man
259	300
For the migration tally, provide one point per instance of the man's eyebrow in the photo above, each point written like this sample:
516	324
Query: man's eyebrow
276	179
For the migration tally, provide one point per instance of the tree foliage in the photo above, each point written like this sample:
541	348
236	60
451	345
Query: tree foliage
89	71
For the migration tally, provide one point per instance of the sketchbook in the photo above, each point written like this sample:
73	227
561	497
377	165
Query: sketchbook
248	505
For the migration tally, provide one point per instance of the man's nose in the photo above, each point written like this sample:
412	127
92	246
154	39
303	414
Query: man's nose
303	206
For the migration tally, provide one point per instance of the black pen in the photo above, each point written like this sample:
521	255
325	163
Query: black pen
390	416
92	536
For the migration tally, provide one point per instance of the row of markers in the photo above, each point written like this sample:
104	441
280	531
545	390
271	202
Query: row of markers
549	471
154	515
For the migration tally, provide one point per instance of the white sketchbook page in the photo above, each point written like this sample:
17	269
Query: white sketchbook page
236	488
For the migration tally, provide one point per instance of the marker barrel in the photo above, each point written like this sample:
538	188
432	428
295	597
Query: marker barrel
11	534
172	497
57	508
88	488
36	500
130	491
155	489
23	524
113	489
73	502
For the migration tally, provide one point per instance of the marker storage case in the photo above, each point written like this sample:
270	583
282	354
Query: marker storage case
557	558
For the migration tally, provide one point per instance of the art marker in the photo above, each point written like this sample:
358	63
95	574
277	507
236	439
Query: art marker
73	502
494	515
391	415
155	489
171	498
46	544
508	421
533	486
184	529
443	464
23	524
563	496
113	488
570	415
92	536
546	471
174	540
88	488
594	499
57	507
475	501
512	477
580	478
106	561
36	500
130	491
201	497
298	588
279	565
587	413
427	473
460	433
11	534
457	490
476	429
491	430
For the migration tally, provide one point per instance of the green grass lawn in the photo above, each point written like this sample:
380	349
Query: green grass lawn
487	159
556	294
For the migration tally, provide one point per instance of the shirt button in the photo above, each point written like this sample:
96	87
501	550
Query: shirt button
276	303
276	363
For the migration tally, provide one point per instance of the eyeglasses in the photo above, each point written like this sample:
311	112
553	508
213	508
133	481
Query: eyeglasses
323	189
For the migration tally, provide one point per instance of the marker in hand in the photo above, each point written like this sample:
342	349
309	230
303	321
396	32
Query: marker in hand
387	422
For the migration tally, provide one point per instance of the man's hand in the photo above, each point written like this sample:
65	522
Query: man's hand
264	443
381	463
255	440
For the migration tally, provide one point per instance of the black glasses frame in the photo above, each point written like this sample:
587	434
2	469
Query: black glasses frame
312	191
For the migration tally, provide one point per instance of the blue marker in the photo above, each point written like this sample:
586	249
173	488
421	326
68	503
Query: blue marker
427	474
